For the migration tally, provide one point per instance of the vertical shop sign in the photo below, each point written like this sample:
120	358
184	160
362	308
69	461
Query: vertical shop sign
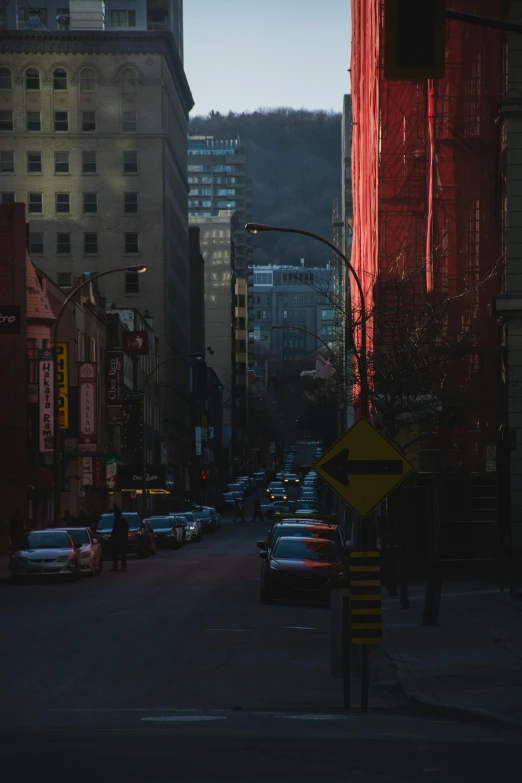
62	357
114	387
46	399
87	436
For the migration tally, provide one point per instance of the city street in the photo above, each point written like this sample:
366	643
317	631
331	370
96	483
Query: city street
175	671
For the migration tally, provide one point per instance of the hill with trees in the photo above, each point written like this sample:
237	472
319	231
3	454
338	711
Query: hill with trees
294	160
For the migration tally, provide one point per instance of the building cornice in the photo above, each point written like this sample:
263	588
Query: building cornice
102	42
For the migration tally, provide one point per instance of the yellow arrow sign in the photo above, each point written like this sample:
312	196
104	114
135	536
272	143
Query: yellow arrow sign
363	467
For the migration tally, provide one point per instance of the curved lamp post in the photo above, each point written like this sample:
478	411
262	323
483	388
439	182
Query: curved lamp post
196	355
361	355
57	456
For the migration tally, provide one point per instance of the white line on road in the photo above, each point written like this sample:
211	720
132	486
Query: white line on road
182	718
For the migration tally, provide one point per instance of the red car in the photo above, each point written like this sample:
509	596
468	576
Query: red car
305	569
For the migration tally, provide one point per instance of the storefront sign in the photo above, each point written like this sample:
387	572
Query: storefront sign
114	387
9	319
111	470
128	372
87	471
87	384
98	474
135	342
62	357
156	477
46	399
198	441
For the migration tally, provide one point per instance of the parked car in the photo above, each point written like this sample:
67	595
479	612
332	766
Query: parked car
91	551
277	507
305	569
260	479
168	531
236	486
209	518
46	553
139	540
303	529
194	525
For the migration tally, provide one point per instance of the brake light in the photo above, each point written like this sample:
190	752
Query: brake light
134	534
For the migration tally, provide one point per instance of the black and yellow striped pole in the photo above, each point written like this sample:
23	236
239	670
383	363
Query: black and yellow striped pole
366	611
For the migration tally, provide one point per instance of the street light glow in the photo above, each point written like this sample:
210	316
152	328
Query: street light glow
139	268
255	228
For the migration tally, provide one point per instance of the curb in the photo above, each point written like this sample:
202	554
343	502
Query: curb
428	705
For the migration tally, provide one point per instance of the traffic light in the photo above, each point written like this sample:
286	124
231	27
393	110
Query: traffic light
414	39
203	475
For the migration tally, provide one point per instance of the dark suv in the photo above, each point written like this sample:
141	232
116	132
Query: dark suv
139	542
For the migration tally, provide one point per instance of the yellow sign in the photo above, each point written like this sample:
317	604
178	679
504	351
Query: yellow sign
62	356
363	467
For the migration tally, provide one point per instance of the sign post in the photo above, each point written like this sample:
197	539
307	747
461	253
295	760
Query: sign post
362	468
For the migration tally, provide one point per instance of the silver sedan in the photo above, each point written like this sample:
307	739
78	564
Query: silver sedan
46	553
90	554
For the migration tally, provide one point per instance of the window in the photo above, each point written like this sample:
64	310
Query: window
88	163
129	122
88	120
6	162
6	120
130	203
34	162
64	279
35	204
63	243
63	203
90	243
31	18
32	79
61	120
33	121
87	80
327	315
263	278
132	283
131	243
61	162
128	81
90	203
7	198
130	162
123	18
6	82
59	79
36	242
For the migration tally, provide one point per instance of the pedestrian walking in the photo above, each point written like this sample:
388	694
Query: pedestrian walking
67	519
16	527
257	511
119	539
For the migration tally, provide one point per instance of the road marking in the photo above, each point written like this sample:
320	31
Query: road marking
317	717
182	718
300	627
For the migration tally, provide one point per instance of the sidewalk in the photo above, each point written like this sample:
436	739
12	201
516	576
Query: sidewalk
470	666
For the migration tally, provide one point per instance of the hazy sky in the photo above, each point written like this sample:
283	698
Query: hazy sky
244	54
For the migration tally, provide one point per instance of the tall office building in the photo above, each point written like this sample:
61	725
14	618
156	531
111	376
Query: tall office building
218	179
93	138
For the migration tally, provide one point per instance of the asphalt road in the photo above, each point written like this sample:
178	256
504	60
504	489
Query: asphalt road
174	671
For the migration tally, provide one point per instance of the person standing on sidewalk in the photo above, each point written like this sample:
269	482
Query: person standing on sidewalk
119	539
257	511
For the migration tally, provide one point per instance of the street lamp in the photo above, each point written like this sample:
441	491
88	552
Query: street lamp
57	456
194	355
361	356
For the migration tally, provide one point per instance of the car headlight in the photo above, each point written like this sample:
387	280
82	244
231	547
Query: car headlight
192	527
63	559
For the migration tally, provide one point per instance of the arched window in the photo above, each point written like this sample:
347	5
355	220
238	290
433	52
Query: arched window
59	79
128	81
87	80
6	82
32	79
